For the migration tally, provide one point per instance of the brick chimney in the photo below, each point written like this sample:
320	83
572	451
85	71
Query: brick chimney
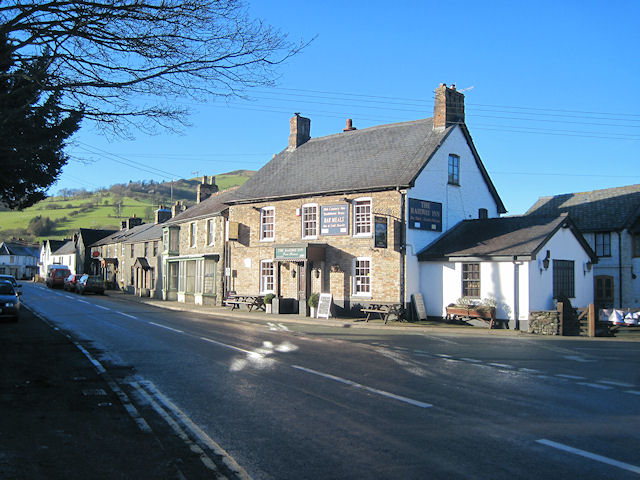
177	207
162	215
207	188
449	107
300	131
133	222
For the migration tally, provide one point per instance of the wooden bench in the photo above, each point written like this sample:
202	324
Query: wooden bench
384	310
251	301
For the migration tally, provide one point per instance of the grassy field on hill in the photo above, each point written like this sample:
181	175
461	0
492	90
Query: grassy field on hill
105	208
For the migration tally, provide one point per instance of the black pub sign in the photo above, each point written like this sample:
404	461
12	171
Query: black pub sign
425	215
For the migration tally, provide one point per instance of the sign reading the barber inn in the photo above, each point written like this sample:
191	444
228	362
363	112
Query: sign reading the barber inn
291	253
425	215
334	219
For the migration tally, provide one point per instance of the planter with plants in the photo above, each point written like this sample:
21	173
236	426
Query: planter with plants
467	308
268	300
313	303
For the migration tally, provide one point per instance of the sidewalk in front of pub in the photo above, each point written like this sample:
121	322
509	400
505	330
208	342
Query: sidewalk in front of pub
62	419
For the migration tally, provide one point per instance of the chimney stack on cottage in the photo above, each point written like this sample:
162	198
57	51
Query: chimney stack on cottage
300	131
162	214
449	107
207	188
177	207
349	126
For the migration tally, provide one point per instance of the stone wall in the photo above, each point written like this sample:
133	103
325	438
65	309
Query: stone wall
546	322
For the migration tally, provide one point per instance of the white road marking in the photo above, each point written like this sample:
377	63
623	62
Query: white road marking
237	349
616	384
595	385
589	455
283	327
364	387
633	392
472	360
84	301
577	358
127	315
570	377
529	370
165	327
103	308
443	355
500	365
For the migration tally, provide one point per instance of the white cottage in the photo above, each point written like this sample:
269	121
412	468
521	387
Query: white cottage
524	263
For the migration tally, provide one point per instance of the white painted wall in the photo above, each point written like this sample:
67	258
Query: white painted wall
458	202
441	282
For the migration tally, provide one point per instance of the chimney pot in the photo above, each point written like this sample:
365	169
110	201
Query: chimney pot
449	107
349	126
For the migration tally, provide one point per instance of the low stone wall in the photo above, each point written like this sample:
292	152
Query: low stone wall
546	322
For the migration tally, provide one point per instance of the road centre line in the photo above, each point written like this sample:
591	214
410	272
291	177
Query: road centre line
231	347
165	327
616	384
634	392
83	301
570	377
596	385
364	387
500	365
591	456
100	306
130	316
471	360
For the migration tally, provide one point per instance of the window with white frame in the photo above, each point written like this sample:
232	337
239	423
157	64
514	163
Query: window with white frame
267	224
310	221
454	169
209	286
362	276
211	231
267	276
192	234
362	217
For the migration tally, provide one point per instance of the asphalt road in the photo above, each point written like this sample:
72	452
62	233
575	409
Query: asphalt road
289	400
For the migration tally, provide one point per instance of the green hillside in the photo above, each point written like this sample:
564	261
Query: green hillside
104	208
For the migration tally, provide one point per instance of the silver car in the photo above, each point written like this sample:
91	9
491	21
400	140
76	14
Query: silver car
9	301
11	279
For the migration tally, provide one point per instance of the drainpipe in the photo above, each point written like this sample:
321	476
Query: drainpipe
516	293
403	249
620	267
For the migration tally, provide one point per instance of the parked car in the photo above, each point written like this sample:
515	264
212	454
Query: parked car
70	282
56	276
9	301
11	279
90	284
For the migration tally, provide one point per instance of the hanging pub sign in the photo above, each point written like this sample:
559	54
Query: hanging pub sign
334	219
380	238
425	215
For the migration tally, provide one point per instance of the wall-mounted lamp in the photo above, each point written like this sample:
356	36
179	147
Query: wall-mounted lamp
293	272
587	267
546	260
317	272
257	209
345	199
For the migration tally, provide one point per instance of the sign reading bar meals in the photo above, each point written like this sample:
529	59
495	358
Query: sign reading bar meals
291	253
425	215
334	219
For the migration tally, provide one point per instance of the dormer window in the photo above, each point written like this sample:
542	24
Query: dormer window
454	169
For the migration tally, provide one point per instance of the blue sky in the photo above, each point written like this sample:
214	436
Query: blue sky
552	93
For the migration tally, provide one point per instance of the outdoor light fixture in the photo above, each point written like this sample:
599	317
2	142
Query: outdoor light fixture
317	273
546	260
587	267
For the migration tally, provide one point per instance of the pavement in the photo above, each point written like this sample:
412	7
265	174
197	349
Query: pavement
64	418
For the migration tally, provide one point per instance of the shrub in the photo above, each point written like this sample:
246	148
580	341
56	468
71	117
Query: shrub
313	300
268	298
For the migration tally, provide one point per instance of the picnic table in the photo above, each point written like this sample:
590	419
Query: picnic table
384	310
235	300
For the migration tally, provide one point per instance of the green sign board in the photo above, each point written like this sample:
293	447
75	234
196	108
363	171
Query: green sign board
291	253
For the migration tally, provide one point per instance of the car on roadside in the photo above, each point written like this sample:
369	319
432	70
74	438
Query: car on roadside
71	281
9	301
56	276
11	279
90	284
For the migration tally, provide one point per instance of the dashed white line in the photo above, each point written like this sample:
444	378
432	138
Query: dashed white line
633	392
443	355
166	328
83	301
500	365
596	385
570	377
589	455
127	315
351	383
616	384
472	360
103	308
231	347
529	370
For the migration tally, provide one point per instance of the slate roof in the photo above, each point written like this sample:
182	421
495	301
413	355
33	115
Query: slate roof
610	209
67	248
213	205
139	233
375	158
17	249
504	237
90	235
56	244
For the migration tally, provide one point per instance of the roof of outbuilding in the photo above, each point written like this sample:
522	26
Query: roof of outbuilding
610	209
505	237
213	205
375	158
